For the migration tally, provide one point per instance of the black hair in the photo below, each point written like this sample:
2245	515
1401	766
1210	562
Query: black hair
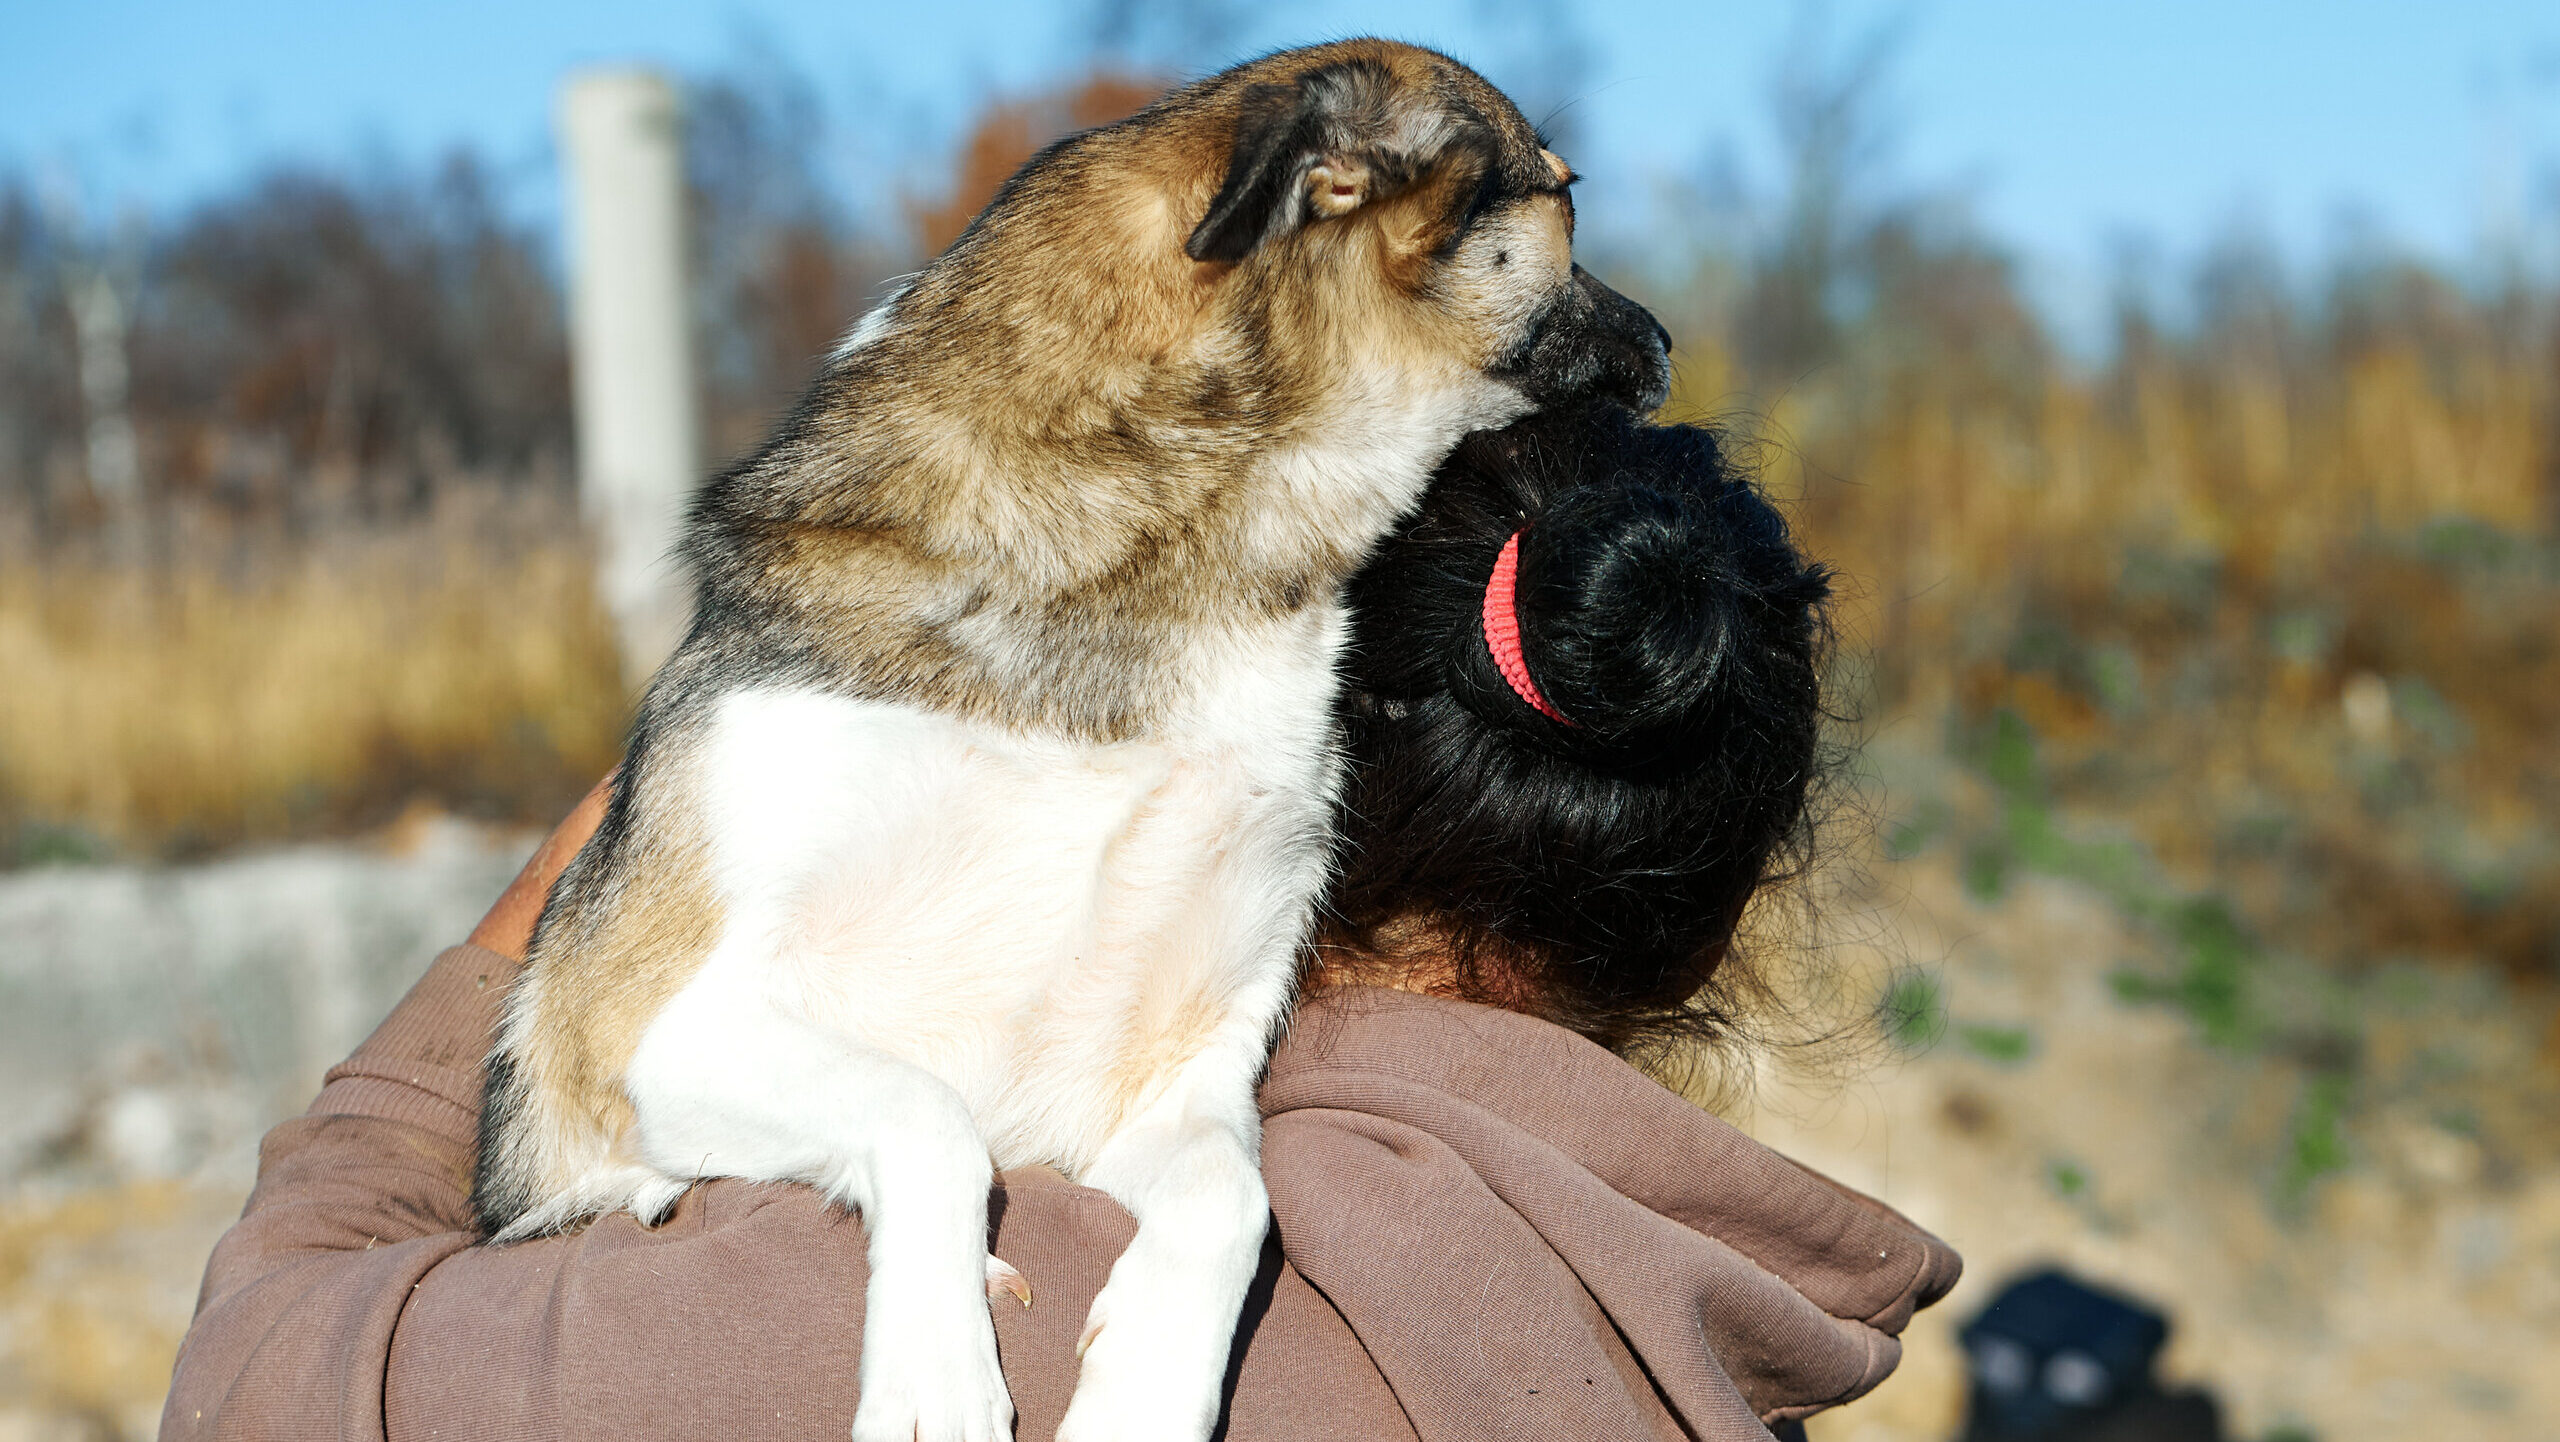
1590	870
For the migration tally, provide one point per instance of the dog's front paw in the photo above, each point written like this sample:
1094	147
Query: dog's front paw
1149	1374
920	1398
932	1379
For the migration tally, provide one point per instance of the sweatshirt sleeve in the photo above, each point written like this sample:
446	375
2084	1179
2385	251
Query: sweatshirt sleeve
357	1200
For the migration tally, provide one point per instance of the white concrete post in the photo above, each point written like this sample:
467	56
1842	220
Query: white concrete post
631	349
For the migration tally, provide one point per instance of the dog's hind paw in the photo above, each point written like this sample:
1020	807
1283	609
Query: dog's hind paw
1003	1281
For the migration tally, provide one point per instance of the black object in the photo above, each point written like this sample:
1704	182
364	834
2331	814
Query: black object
2057	1360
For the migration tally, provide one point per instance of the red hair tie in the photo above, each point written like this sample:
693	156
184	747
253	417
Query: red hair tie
1502	630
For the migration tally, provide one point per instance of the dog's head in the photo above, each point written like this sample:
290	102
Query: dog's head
1288	230
1398	178
1226	338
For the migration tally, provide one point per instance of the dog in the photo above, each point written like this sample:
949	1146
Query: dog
979	818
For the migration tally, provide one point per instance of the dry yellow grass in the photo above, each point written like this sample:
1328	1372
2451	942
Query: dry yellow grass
2176	569
192	706
2184	569
1936	486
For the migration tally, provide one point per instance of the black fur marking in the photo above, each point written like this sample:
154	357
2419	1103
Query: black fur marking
494	1205
1276	137
1282	132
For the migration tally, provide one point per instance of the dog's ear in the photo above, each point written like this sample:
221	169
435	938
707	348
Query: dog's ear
1326	145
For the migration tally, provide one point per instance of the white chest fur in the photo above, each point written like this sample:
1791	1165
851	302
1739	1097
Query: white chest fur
1049	927
946	947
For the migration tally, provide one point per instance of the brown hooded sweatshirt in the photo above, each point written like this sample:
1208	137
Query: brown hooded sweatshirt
1486	1228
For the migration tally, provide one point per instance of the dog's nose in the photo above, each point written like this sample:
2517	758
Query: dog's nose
1593	344
1639	375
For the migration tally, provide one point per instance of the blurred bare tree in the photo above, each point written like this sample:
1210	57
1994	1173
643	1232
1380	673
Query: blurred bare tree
358	338
1827	104
40	407
100	289
308	342
782	264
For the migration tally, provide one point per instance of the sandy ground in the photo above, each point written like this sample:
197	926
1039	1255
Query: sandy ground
2414	1291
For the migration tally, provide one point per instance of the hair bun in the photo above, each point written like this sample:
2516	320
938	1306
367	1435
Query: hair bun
1660	601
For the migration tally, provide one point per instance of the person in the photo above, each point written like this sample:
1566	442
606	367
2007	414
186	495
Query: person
1582	710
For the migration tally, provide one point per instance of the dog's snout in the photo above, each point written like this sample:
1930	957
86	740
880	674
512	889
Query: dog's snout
1644	376
1593	344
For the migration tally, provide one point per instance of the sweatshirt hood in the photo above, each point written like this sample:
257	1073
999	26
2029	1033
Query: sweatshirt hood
1534	1239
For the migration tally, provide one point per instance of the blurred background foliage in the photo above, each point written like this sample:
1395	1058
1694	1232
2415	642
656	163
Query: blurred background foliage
2266	580
2263	584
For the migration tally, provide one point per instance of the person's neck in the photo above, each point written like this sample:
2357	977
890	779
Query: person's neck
1428	955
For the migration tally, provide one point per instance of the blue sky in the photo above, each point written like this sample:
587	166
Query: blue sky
2067	124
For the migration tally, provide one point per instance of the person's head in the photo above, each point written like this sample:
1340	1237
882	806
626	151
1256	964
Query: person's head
1583	706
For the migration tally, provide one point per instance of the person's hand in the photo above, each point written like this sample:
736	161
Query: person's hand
508	928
